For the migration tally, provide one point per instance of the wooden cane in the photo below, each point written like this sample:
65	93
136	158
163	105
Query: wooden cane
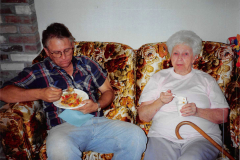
204	135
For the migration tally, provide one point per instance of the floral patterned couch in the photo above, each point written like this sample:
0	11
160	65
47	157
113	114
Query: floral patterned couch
22	125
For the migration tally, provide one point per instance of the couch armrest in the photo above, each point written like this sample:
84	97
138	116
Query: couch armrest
23	129
232	128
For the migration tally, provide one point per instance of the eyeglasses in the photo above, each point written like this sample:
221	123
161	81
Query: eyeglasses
58	54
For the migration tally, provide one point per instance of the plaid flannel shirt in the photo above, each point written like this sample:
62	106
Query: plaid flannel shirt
87	76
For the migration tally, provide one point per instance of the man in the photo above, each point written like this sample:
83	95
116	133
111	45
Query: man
59	71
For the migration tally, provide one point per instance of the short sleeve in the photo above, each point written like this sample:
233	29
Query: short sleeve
150	91
25	79
217	99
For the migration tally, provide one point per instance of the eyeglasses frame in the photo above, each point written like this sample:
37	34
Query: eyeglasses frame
60	52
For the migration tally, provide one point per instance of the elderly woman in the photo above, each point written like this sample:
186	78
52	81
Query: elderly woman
206	107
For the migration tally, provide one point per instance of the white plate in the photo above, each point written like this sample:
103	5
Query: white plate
81	93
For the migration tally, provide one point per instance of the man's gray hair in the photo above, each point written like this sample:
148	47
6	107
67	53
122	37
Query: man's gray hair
185	37
56	30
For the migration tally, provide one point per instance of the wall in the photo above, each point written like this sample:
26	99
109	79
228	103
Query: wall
19	37
238	14
132	22
136	22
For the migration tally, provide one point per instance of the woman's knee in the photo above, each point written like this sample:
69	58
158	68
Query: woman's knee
199	150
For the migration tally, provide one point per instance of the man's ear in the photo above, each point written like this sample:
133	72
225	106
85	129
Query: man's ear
46	50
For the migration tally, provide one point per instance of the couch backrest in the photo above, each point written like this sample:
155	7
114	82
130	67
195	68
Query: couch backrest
126	66
216	59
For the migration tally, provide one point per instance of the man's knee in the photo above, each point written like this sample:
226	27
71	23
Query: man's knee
59	142
136	137
61	147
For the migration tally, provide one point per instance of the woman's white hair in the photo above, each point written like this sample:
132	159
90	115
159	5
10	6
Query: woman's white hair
185	37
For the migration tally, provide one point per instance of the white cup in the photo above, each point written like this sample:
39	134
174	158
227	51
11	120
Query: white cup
181	101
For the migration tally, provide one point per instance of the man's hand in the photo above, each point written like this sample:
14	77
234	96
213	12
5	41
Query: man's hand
89	107
166	97
51	94
189	109
105	99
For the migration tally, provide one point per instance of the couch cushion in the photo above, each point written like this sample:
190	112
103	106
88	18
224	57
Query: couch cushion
42	55
119	60
23	129
217	60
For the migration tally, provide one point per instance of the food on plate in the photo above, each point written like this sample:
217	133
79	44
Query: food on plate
70	90
71	99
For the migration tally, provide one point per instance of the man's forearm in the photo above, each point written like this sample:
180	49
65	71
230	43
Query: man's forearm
106	98
13	94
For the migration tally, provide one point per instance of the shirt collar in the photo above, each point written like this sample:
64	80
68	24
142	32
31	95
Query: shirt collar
53	65
178	76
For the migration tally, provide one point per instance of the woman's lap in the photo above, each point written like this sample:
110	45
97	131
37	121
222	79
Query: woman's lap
197	149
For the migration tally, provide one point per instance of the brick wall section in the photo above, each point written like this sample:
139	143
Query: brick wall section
19	37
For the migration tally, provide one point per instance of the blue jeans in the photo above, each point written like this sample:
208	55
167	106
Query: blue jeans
127	141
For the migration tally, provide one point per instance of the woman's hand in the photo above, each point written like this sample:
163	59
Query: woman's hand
189	109
215	115
147	110
166	97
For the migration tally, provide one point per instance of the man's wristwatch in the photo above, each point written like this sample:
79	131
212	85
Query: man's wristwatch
99	109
